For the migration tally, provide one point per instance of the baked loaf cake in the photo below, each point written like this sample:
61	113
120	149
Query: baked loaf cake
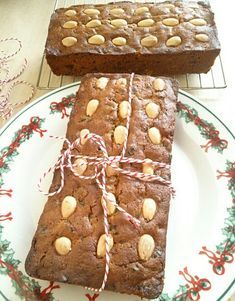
69	242
173	37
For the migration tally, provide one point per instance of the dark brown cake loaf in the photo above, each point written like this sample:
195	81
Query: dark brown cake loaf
67	245
173	37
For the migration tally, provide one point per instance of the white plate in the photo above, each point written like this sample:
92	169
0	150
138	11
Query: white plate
201	215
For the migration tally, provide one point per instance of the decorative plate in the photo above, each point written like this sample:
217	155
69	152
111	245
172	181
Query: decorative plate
200	263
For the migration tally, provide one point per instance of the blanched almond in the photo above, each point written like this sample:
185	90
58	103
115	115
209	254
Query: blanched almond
83	134
146	23
173	41
141	10
170	21
152	110
167	5
146	247
93	23
69	41
123	109
110	207
63	245
154	135
121	82
102	82
92	107
70	24
202	37
119	22
110	171
159	84
117	11
91	11
119	41
101	250
149	209
96	39
68	206
120	134
198	22
81	166
149	41
148	167
70	12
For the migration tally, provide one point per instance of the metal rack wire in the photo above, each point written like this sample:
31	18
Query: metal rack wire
214	79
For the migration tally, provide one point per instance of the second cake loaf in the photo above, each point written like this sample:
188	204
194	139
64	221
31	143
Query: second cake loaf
68	245
173	37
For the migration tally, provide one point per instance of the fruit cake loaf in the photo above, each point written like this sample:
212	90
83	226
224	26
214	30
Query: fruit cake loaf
173	37
69	242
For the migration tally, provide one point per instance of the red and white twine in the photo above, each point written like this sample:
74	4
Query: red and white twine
100	164
6	108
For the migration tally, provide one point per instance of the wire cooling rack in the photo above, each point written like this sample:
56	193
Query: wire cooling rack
214	79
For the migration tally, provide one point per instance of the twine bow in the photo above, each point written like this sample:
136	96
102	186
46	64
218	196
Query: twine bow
68	160
6	108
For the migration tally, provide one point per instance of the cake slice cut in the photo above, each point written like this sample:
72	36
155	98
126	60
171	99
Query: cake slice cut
68	245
